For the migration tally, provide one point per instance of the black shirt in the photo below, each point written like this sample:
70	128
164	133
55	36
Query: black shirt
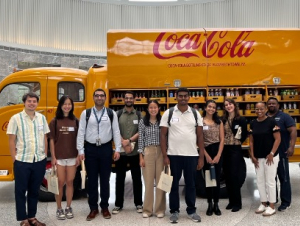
263	138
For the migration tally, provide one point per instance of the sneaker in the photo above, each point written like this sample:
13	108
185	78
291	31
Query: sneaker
116	210
60	215
160	215
69	212
260	209
145	215
174	218
269	212
195	217
283	207
139	209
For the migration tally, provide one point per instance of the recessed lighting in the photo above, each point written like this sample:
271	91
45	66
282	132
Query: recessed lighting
152	0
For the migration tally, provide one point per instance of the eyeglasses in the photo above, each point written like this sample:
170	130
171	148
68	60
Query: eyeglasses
99	95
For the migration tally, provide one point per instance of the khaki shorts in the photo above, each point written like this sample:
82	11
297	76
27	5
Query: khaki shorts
66	162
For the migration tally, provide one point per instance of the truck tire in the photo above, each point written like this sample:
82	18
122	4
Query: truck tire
200	182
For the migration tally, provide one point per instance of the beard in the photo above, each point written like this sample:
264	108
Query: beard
272	110
129	104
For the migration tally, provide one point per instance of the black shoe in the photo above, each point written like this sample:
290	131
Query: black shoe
217	211
283	207
229	206
235	209
209	210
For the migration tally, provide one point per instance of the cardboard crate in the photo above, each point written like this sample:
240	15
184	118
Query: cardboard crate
161	100
117	101
291	111
291	97
217	99
250	112
141	100
237	98
267	97
252	97
196	99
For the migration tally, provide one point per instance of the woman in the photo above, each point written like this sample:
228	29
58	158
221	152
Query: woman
63	132
213	132
264	142
151	160
235	133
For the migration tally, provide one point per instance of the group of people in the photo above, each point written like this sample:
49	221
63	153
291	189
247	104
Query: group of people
180	140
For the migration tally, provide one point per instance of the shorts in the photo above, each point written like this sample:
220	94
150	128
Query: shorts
66	162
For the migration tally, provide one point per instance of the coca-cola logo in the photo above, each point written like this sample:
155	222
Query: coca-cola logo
202	44
4	126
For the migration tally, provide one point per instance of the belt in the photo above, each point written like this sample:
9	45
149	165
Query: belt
91	144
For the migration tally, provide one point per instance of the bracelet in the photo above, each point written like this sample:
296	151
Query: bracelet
272	153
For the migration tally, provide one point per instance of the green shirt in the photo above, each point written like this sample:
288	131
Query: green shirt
128	123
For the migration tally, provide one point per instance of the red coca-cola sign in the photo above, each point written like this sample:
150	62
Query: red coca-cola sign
214	44
4	126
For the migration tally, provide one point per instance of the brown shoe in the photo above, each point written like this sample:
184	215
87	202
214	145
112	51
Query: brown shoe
92	215
24	223
35	222
106	213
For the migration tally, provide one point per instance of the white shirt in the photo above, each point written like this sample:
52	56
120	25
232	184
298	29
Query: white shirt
182	137
90	133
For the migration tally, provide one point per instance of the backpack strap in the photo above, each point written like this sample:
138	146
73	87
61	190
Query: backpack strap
119	113
87	116
171	110
195	116
110	115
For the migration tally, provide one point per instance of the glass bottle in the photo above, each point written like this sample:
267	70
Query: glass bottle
252	91
227	92
270	92
275	92
232	93
237	92
171	94
247	91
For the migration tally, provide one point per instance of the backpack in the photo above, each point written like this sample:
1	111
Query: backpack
171	110
88	114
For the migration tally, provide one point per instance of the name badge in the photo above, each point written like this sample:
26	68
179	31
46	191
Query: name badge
135	122
41	127
175	120
205	127
104	118
236	127
71	129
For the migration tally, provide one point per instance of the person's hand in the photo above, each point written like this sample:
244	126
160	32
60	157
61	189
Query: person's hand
53	161
13	158
116	156
81	157
142	162
200	163
255	162
166	160
208	159
128	149
289	152
216	159
269	159
125	143
78	161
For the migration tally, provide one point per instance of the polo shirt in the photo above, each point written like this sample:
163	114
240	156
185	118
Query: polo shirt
182	137
30	136
128	123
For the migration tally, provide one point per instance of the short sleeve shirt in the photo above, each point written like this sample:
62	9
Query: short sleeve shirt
30	136
182	137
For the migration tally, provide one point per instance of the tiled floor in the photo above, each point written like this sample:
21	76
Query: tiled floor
246	216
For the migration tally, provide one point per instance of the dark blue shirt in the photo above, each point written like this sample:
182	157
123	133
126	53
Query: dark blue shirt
284	121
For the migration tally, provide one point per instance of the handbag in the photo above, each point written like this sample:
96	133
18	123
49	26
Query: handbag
165	180
132	147
52	181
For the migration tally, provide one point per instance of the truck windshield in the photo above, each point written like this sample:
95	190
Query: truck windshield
12	94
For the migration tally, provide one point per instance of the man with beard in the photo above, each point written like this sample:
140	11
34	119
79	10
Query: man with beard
128	123
288	134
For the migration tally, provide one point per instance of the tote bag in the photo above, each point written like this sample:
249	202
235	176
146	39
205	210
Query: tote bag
53	181
165	180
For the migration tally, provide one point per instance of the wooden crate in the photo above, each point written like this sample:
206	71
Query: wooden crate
298	125
236	98
172	99
141	100
241	112
196	99
161	100
217	99
250	112
220	112
252	97
291	97
117	101
291	111
267	97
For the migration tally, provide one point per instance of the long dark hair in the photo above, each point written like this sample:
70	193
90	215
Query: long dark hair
215	116
146	119
236	110
59	111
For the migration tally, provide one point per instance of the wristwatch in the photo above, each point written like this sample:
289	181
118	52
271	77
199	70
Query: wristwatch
130	140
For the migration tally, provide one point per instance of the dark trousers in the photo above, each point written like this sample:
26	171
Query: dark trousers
98	160
213	193
283	174
28	178
187	164
232	165
121	166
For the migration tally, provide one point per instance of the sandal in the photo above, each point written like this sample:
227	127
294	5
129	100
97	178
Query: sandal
35	222
24	223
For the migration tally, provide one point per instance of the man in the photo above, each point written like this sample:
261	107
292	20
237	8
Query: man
179	139
288	134
28	148
128	122
97	127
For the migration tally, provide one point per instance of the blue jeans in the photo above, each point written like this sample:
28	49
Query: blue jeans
28	178
98	160
283	174
187	165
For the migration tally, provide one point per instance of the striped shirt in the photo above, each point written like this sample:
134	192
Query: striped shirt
148	135
30	136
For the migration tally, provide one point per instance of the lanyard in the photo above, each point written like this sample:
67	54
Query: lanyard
98	120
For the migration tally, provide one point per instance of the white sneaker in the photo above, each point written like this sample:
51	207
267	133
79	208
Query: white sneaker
260	209
145	215
160	215
269	212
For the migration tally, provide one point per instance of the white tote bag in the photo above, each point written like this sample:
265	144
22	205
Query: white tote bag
52	181
165	180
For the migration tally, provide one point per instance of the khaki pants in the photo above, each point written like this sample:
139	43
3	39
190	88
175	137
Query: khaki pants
151	172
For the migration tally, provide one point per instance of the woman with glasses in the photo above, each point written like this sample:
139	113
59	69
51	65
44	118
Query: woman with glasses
213	133
235	133
63	133
264	142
